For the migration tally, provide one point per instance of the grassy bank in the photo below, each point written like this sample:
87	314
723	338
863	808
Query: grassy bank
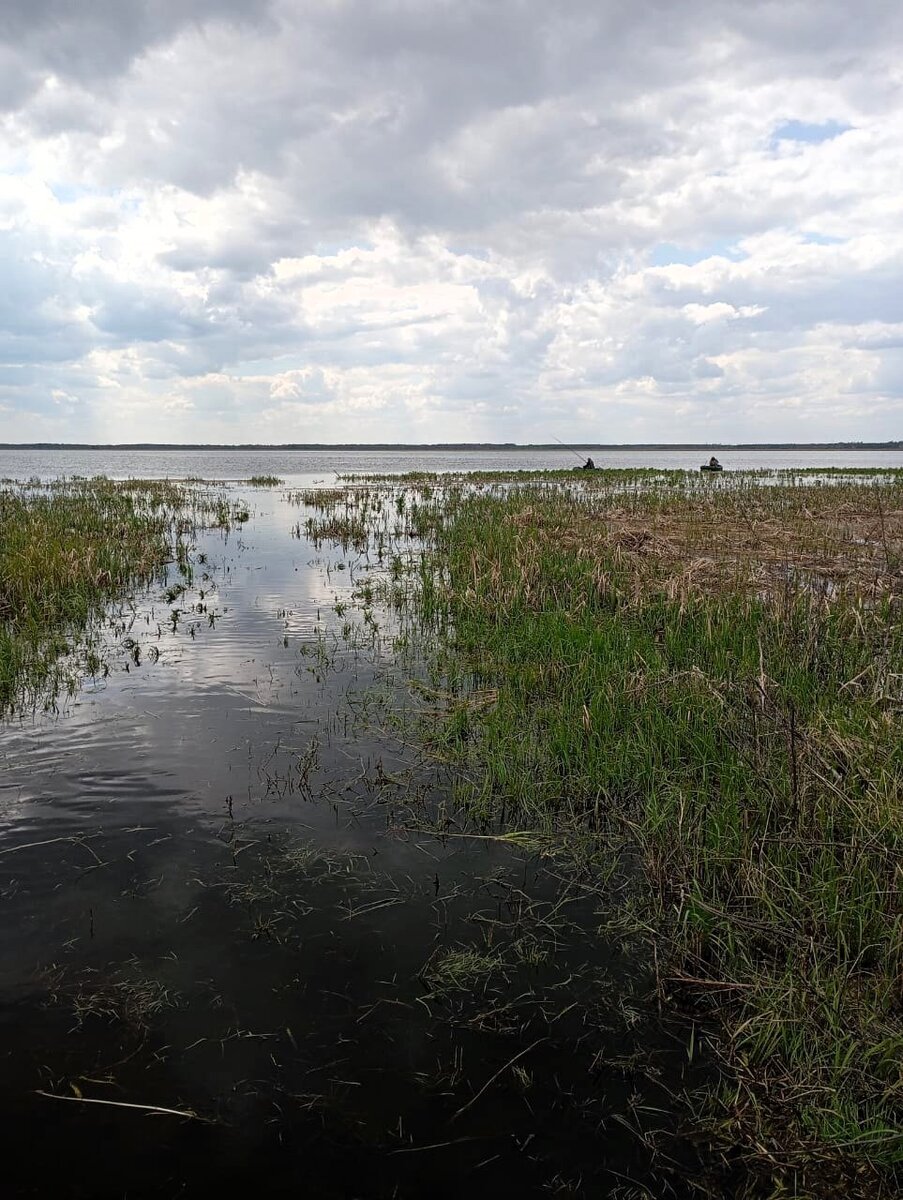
709	674
68	549
717	675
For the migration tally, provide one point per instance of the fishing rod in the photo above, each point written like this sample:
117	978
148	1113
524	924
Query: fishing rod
582	457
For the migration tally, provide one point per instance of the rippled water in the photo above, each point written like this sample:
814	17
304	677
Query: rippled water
216	898
298	466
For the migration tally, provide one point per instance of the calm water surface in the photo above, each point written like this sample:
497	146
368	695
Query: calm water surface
296	466
220	897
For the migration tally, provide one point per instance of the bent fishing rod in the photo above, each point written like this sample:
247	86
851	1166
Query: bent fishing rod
582	457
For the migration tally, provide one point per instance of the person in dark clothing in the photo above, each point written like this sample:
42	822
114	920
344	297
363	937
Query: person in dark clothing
589	465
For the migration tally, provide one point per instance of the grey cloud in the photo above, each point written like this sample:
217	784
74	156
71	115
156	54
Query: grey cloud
97	39
16	81
131	316
356	100
245	250
66	108
557	143
36	320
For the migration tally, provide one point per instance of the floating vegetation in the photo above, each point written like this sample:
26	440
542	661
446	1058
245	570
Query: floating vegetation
116	995
461	967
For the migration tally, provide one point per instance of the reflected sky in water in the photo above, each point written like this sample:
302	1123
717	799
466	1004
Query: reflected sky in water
216	897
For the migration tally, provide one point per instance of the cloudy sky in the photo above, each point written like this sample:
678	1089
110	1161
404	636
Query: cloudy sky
427	220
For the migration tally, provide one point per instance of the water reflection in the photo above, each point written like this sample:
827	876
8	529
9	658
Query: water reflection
217	902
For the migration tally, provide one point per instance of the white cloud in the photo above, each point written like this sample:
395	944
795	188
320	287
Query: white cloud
403	220
702	314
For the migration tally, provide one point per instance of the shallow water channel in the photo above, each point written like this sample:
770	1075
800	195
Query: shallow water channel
221	898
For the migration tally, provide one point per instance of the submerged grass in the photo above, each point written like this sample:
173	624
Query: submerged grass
66	550
710	674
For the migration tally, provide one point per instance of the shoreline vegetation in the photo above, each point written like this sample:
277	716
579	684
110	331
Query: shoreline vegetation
706	678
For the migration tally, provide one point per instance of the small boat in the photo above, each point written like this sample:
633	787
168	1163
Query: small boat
711	467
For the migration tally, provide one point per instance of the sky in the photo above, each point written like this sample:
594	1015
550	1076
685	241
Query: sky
426	220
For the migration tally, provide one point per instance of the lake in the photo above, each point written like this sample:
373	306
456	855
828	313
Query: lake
297	466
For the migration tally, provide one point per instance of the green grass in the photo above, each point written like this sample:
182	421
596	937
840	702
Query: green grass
69	548
707	674
265	481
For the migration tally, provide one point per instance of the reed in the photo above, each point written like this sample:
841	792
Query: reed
266	481
707	676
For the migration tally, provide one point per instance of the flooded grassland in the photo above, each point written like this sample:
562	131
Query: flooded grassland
512	834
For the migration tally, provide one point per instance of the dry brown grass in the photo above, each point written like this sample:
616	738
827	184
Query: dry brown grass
705	546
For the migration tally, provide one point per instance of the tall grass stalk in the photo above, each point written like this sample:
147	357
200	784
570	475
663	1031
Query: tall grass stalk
710	673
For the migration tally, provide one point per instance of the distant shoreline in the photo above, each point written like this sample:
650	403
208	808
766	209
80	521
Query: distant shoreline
455	446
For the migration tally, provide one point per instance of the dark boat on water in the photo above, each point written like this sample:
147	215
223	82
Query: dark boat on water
712	465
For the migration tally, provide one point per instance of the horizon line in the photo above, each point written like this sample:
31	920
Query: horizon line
476	446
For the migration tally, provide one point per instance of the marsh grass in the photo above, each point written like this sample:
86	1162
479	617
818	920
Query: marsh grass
69	548
719	675
707	674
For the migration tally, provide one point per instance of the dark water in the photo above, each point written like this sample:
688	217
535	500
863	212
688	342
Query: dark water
220	895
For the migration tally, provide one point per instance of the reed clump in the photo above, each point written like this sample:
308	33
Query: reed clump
711	676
